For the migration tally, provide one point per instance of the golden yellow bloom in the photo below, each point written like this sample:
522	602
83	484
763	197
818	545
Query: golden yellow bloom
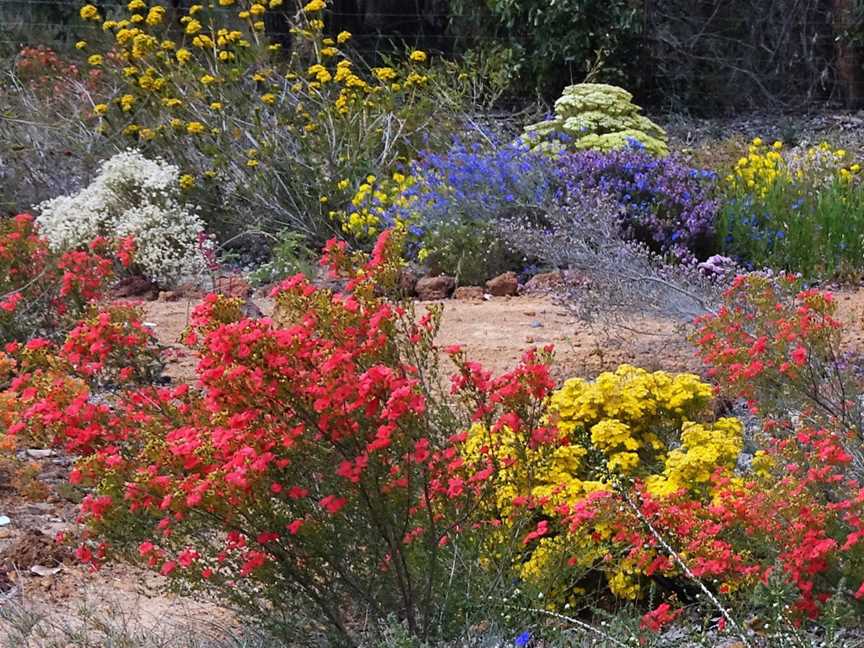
225	55
757	141
183	55
137	18
193	9
155	16
342	185
269	98
343	37
146	134
275	3
274	47
195	127
176	123
329	51
131	129
243	15
418	56
193	27
316	24
95	59
257	9
89	12
136	5
80	45
126	102
171	102
384	73
258	25
109	24
216	105
168	45
207	79
252	163
226	3
100	109
315	5
187	181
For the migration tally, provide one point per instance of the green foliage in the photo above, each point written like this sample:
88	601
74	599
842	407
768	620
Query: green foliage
290	255
597	116
555	43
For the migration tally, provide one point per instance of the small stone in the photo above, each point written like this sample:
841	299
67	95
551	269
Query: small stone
408	279
39	453
468	293
435	288
536	325
4	520
168	296
504	285
233	286
544	282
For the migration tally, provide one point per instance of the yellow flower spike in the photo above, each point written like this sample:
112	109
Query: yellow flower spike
418	56
343	37
89	12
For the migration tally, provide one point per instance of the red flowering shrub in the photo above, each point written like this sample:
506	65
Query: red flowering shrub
777	345
41	292
313	467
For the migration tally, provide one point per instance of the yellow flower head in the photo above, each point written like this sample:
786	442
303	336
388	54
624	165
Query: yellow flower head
343	37
418	56
89	12
269	98
183	55
315	5
95	59
187	181
100	109
195	127
193	27
136	5
80	45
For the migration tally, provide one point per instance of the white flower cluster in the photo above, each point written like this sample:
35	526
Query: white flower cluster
137	197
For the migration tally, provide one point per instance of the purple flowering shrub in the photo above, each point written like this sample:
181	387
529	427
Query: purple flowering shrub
667	205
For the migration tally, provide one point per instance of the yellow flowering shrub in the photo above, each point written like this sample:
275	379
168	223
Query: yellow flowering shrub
625	426
202	95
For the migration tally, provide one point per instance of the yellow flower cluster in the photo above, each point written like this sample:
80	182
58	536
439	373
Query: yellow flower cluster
371	201
764	166
630	423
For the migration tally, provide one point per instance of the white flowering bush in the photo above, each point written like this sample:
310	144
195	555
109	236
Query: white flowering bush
135	197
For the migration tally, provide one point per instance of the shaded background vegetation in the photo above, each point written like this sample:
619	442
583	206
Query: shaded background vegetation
700	56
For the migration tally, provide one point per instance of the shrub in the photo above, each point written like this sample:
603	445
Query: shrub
315	465
458	199
625	425
42	292
666	204
136	198
596	116
797	210
264	140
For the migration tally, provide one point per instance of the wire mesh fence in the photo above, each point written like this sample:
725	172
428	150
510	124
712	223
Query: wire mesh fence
703	55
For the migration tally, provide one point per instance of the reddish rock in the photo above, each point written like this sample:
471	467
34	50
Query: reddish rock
408	279
544	281
136	286
468	293
503	285
435	288
233	286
